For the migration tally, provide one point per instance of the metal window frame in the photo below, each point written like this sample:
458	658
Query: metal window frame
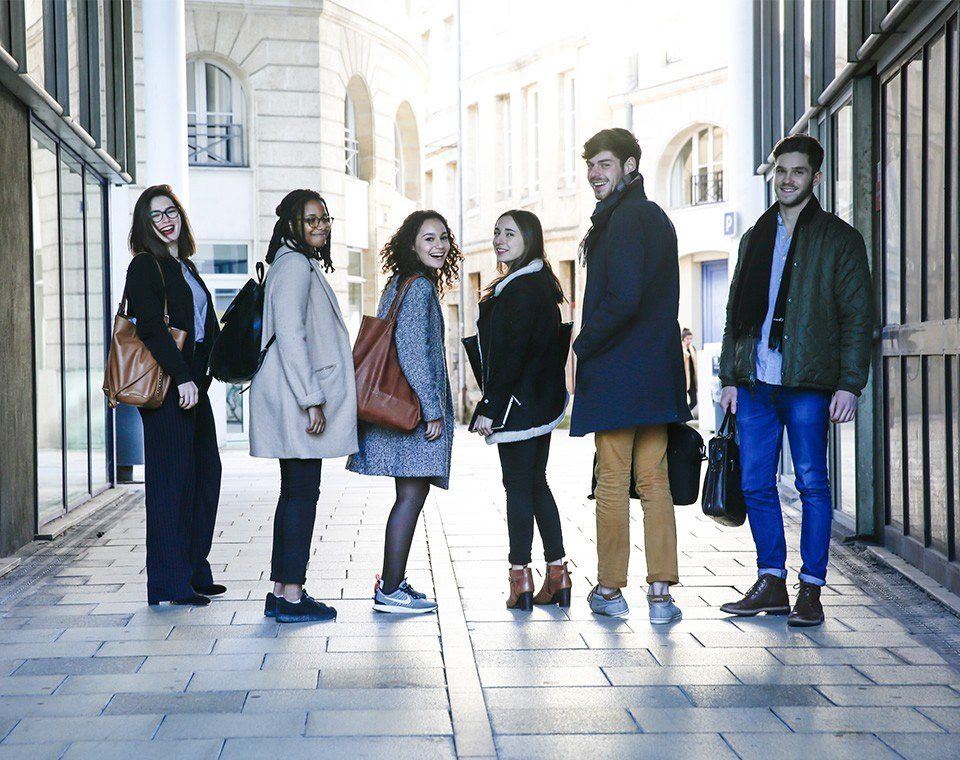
13	33
88	37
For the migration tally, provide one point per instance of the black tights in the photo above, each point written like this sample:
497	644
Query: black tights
411	495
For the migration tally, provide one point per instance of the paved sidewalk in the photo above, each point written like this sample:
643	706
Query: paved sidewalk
88	670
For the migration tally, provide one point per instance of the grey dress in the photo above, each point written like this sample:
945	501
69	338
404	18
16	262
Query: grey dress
420	348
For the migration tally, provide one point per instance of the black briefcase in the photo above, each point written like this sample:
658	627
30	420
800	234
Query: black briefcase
685	455
722	493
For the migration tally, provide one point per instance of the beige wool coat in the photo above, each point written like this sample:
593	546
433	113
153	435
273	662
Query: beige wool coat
310	363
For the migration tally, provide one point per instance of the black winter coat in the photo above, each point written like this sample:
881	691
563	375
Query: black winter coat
630	367
145	292
522	360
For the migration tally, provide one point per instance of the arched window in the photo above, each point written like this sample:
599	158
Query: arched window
398	175
351	144
697	174
214	116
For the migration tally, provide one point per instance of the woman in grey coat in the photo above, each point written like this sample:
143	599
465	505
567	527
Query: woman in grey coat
424	249
304	397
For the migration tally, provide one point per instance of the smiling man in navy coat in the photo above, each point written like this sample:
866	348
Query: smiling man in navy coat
630	380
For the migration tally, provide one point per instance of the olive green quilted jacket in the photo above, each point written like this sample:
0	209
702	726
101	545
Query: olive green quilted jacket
829	316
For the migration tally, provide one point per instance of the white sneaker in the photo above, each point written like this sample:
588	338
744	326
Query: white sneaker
404	601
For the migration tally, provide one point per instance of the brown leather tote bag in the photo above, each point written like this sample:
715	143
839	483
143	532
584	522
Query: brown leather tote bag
384	397
132	375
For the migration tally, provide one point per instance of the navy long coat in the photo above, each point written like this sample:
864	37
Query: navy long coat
630	366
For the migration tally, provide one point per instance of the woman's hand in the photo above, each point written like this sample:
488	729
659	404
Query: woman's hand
317	421
483	425
434	429
189	395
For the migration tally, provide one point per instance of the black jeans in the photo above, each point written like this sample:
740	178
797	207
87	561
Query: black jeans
294	519
524	466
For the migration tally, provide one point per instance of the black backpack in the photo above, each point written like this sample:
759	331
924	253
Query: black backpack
236	354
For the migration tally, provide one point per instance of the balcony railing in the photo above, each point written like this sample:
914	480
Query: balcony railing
215	144
706	188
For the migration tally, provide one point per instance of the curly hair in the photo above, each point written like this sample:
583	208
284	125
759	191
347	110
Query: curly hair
288	230
399	255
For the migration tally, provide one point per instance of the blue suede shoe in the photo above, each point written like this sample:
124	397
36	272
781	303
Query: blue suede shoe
610	605
662	609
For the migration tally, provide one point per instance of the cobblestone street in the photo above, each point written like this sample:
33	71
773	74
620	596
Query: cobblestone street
88	670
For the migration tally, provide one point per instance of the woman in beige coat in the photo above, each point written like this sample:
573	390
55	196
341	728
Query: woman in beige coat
303	399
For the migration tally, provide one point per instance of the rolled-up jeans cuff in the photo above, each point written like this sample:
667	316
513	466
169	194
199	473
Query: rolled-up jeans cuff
810	579
778	573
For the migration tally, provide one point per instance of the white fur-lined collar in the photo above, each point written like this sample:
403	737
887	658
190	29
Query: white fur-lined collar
534	266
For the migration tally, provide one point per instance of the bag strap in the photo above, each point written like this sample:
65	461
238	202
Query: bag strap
729	425
402	289
123	308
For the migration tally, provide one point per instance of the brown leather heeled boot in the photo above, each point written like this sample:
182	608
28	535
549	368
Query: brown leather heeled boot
521	590
556	586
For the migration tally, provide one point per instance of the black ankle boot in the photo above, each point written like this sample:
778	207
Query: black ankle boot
768	594
807	611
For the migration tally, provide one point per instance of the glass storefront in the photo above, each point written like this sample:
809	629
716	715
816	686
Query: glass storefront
69	269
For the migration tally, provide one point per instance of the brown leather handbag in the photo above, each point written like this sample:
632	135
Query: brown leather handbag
132	376
384	397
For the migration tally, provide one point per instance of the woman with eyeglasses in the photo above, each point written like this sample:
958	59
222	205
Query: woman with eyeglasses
303	400
181	457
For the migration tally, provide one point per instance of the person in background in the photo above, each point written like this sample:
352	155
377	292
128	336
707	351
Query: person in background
303	399
795	356
630	373
524	399
690	366
422	250
181	457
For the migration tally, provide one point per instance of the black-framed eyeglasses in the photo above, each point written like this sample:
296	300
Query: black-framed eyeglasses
315	221
171	212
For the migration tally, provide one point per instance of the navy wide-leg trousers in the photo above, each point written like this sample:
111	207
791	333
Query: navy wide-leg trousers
182	482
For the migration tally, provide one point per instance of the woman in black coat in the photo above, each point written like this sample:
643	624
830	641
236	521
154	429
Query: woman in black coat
181	458
524	399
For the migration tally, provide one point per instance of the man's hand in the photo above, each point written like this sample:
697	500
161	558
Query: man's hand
843	407
483	425
317	421
728	399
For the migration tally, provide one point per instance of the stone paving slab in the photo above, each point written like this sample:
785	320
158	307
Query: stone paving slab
88	671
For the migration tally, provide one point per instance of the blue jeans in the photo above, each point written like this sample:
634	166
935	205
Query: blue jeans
762	414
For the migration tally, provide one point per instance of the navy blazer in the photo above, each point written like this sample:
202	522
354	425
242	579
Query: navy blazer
630	365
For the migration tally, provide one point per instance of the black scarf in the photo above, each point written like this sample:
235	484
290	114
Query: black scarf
751	301
598	222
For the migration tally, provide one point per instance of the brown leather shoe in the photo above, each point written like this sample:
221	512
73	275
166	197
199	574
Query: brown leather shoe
808	611
521	590
768	594
556	586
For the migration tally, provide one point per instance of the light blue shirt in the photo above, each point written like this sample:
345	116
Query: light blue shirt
199	303
770	362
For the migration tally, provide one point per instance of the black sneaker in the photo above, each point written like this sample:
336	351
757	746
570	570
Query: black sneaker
307	610
270	604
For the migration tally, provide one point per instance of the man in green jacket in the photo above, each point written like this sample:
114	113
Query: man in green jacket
796	354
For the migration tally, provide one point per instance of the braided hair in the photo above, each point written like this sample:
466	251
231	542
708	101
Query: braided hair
288	231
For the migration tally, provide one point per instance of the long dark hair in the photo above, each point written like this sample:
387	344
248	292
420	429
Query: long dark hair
532	233
400	258
288	230
143	235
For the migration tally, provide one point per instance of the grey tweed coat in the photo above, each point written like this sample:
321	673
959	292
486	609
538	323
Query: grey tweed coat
420	348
